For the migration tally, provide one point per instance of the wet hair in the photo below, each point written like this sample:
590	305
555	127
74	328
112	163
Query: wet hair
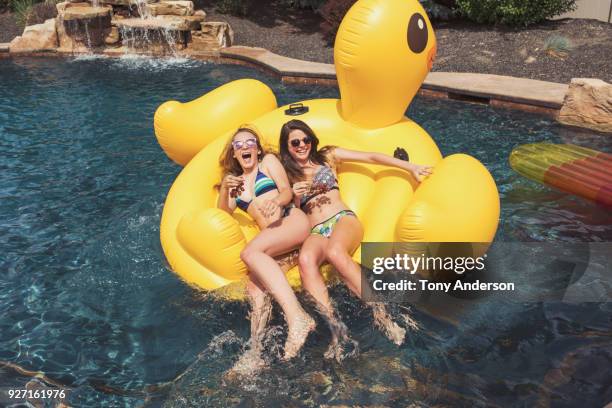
293	169
228	162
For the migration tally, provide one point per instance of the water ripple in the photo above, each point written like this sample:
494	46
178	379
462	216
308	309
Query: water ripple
86	296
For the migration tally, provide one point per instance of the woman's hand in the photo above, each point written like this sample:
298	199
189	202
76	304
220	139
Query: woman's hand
268	208
234	184
420	172
301	188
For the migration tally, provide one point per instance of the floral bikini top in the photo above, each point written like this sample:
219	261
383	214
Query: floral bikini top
263	184
323	181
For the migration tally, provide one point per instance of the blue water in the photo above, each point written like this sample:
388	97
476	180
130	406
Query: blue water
86	296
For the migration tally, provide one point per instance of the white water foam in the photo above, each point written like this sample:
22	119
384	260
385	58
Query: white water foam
88	57
144	62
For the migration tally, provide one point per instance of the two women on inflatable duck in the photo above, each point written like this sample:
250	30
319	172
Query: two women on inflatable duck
383	52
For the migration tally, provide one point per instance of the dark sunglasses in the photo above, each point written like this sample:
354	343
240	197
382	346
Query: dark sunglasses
238	145
296	142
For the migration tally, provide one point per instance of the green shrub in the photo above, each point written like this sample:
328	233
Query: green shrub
558	46
302	4
41	12
513	12
22	9
235	7
437	11
333	11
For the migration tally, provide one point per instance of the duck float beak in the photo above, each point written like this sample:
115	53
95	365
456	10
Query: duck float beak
431	57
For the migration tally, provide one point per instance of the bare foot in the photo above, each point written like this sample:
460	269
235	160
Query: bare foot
340	349
386	325
341	346
249	364
298	332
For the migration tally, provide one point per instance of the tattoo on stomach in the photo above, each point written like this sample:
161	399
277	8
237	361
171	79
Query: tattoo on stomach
317	202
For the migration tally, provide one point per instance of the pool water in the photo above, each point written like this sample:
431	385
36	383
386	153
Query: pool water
86	296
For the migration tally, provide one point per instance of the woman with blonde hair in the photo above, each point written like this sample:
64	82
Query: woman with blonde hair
256	183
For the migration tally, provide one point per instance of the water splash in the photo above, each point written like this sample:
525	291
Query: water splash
136	62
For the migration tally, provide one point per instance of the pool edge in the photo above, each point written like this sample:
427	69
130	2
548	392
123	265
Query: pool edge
498	91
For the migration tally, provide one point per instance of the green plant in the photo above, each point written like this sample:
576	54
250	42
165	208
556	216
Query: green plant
513	12
303	4
437	11
41	12
235	7
558	46
22	9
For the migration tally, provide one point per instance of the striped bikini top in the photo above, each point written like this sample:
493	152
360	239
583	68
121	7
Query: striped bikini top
263	184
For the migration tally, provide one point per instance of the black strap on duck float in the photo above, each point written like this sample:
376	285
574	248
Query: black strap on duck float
401	154
296	109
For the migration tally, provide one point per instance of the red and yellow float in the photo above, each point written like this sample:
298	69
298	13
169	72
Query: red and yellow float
574	169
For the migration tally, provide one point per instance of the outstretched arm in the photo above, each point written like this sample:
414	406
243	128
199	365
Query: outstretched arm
418	171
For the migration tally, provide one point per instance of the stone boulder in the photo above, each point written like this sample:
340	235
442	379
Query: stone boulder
80	12
113	39
171	8
39	37
125	2
81	27
213	36
165	23
588	104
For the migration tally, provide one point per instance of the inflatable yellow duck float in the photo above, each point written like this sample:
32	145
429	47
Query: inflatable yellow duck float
383	52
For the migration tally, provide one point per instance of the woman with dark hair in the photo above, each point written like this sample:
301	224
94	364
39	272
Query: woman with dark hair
256	183
335	230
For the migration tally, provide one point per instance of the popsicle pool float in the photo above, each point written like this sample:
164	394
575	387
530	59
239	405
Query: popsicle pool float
570	168
383	52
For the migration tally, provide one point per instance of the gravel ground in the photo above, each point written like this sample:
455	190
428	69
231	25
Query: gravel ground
465	47
8	27
462	46
293	33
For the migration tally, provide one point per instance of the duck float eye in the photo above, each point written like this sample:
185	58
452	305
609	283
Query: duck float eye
417	33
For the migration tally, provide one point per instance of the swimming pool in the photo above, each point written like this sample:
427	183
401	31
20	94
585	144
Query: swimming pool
85	295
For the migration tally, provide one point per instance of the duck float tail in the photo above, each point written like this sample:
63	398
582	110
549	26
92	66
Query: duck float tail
183	129
383	52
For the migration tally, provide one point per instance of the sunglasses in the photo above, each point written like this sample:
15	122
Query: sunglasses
297	142
238	144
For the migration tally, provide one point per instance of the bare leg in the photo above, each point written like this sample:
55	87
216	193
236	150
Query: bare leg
281	237
261	310
312	255
345	238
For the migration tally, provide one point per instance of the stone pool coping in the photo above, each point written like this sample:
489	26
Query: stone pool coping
496	90
499	91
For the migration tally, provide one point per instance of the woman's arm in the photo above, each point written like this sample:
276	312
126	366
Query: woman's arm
225	201
418	171
277	172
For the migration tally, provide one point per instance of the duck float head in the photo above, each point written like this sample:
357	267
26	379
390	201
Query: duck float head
383	52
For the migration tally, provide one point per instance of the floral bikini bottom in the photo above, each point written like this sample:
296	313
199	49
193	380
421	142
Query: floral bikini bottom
326	227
